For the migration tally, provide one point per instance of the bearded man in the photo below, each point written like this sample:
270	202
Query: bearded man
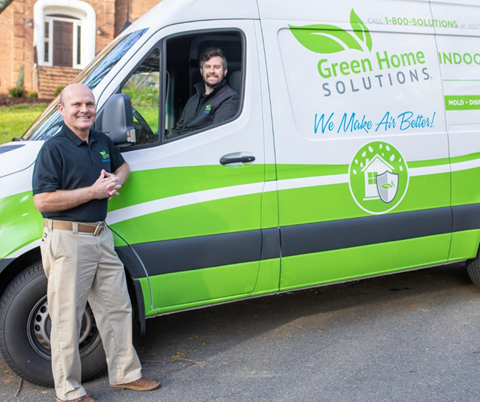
214	101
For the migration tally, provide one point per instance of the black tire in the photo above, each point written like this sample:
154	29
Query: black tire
25	331
473	269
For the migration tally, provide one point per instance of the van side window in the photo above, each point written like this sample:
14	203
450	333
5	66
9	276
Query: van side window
143	88
163	87
190	107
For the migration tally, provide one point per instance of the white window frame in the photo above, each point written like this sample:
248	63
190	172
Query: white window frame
82	15
75	23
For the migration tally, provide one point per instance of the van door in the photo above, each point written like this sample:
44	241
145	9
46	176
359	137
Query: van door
458	41
361	147
192	207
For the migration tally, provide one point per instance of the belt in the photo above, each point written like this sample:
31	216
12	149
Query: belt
67	225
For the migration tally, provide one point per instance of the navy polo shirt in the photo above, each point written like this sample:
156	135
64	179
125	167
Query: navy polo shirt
65	162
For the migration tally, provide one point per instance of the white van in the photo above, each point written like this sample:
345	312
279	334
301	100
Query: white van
355	152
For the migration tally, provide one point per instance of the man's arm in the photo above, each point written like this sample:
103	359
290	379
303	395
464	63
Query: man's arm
106	186
227	109
181	122
187	110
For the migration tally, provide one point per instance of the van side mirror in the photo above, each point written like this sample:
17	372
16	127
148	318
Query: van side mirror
117	119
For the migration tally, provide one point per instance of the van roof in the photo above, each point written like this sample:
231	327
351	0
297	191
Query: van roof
170	12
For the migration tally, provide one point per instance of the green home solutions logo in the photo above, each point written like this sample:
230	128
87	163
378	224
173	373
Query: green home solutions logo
326	39
382	69
378	177
105	156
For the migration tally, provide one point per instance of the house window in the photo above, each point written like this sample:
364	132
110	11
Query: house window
372	177
64	33
46	55
79	44
63	45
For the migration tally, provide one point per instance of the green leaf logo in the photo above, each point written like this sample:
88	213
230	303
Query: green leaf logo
361	30
386	186
327	39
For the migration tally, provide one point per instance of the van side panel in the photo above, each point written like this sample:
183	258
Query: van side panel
206	232
361	144
358	262
459	58
22	225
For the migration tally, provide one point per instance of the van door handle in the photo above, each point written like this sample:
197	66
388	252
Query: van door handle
225	160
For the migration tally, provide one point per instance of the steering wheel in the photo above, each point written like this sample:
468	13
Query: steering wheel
144	132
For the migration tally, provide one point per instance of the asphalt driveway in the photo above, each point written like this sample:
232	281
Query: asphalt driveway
406	337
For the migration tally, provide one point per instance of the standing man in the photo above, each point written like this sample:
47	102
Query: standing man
76	173
214	100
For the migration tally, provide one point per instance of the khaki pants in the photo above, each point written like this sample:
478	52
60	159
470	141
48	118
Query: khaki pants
80	266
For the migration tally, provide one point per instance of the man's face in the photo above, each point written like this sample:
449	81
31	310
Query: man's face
78	109
213	71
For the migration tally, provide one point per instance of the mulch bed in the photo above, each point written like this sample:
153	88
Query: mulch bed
7	101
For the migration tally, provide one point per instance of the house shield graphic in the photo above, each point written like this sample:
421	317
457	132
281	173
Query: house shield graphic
387	186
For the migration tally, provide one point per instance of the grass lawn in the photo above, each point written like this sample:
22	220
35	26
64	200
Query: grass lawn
14	120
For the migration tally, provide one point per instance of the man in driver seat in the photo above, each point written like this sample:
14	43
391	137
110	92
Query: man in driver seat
214	101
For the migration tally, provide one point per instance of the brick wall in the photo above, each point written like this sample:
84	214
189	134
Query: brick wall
120	15
6	47
140	7
105	10
112	15
136	8
22	42
16	46
52	77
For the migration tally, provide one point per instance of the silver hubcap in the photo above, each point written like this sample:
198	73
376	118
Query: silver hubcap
39	325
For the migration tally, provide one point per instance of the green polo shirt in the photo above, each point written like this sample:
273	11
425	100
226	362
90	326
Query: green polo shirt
65	162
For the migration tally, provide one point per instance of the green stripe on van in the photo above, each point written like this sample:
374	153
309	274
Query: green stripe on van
462	102
202	219
21	225
335	202
360	262
300	171
161	183
466	187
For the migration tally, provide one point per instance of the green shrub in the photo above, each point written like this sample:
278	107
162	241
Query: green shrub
32	94
58	90
20	77
16	92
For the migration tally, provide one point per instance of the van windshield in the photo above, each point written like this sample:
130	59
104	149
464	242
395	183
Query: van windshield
50	121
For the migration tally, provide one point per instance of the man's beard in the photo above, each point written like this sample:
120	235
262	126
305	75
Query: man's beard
211	86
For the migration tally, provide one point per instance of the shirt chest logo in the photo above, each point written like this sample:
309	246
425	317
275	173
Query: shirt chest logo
105	156
208	108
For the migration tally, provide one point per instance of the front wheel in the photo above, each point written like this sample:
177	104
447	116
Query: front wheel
473	269
25	331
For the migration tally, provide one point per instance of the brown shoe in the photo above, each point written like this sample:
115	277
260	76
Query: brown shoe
84	398
142	384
